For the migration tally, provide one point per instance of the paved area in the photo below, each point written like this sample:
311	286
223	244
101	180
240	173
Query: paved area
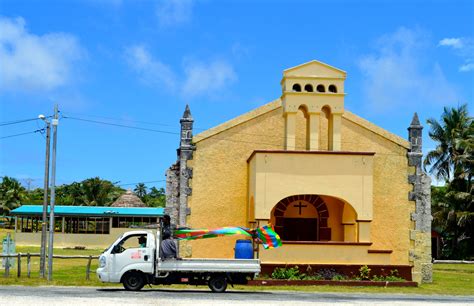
19	295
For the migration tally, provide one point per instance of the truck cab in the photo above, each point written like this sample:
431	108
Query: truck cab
133	260
127	254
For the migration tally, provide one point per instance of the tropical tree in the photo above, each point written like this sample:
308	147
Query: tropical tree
95	192
156	197
70	194
35	196
140	190
452	161
12	193
452	157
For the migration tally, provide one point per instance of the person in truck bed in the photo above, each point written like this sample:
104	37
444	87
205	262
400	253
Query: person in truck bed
168	244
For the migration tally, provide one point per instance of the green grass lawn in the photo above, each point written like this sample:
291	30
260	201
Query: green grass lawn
448	279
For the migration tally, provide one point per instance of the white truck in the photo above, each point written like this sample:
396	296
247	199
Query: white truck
135	266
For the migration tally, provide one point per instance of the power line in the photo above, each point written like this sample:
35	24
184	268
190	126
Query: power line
17	121
275	145
121	125
132	120
122	119
161	131
195	128
149	182
21	134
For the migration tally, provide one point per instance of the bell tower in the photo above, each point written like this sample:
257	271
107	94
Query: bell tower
313	86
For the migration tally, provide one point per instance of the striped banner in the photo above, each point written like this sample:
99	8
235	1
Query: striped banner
265	235
269	238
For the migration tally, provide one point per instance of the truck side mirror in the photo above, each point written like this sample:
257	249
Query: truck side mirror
116	249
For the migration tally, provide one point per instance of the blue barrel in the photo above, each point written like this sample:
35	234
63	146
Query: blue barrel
243	249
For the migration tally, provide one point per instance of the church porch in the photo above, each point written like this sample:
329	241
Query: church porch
320	203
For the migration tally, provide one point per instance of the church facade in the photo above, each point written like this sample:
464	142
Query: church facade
340	191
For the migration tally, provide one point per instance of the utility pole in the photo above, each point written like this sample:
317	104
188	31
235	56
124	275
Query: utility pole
28	183
54	122
44	223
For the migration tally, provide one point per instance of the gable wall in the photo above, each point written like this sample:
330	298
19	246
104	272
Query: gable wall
219	183
391	208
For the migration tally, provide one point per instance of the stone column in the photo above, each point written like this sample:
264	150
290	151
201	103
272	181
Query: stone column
335	132
185	153
290	131
172	193
420	253
313	131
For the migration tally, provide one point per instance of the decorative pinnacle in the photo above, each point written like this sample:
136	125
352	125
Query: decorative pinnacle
415	121
187	113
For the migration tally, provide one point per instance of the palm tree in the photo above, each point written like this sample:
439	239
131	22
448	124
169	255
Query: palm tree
95	192
452	161
140	190
156	197
12	194
454	137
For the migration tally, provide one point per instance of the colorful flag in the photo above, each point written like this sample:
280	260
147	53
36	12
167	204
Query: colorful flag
191	234
269	238
265	235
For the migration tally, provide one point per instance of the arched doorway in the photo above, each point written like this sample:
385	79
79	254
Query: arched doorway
302	218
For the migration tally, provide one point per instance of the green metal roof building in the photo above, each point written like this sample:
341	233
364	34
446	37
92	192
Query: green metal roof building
85	226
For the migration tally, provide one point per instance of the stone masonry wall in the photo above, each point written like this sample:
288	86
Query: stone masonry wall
172	193
420	235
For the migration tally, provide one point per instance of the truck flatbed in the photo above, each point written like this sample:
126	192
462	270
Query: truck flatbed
210	265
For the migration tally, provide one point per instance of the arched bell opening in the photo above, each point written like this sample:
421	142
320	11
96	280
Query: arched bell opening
312	218
296	87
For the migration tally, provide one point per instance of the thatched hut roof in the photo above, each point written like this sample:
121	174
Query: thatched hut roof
129	199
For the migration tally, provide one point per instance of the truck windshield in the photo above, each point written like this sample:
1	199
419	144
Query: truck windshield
119	238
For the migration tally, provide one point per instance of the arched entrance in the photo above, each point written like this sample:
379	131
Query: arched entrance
302	218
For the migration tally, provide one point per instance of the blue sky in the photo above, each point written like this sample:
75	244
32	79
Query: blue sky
138	63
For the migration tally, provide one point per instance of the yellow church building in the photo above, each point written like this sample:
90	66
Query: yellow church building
340	191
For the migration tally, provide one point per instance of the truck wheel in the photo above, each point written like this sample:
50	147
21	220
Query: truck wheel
133	281
218	283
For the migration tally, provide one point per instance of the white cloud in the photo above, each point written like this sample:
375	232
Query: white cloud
464	48
32	62
467	67
451	42
174	12
399	73
196	79
207	78
150	70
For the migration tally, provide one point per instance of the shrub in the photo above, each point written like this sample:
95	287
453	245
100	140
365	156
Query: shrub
327	273
338	277
288	273
393	277
364	273
313	277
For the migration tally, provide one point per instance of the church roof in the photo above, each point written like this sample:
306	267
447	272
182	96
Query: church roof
277	104
128	199
315	68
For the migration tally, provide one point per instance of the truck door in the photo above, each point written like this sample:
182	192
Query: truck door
133	252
